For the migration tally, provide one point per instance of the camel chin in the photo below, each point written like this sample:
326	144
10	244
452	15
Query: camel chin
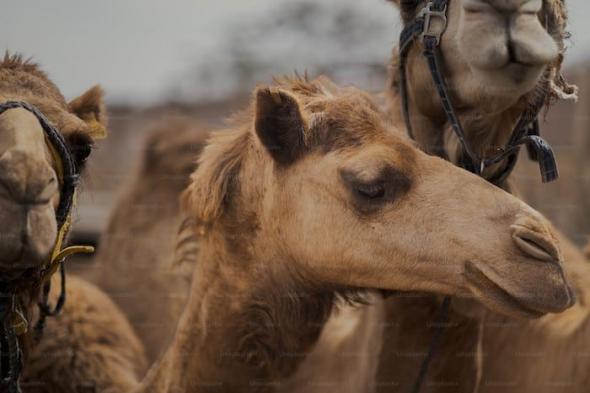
516	292
500	294
510	80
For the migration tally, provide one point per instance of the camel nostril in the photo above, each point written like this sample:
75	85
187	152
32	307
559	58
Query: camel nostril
511	52
536	246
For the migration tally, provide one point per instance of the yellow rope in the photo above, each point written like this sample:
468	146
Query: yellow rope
59	254
57	159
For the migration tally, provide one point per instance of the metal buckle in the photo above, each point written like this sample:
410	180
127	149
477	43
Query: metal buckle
428	13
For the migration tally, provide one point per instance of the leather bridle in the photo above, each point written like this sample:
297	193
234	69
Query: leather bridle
526	131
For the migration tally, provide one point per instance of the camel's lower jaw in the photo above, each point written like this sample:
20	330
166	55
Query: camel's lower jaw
508	80
494	297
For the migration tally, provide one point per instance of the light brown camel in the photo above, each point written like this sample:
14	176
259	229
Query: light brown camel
481	349
133	264
311	196
90	343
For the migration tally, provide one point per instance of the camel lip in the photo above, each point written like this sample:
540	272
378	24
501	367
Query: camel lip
536	245
485	289
511	73
510	65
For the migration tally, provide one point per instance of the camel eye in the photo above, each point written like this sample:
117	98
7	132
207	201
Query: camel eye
81	147
371	191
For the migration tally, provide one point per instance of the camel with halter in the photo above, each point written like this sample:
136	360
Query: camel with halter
44	143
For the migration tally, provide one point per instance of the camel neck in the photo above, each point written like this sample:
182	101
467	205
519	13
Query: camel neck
243	329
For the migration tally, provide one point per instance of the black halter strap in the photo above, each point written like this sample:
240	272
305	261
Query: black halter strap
429	27
526	131
10	351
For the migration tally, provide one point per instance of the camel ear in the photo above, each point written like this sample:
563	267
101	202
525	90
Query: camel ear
279	124
396	2
91	109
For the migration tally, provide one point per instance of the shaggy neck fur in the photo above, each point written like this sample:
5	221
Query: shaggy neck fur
249	320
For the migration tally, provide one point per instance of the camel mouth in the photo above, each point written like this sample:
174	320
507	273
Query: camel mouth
495	297
510	73
535	244
522	72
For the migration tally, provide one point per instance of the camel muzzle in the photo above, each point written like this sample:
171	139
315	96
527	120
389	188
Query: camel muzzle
26	180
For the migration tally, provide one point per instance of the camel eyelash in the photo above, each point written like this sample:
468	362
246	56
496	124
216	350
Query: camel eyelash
388	186
372	191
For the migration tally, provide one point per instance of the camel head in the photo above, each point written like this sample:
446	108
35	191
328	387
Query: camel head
500	59
493	51
315	182
29	181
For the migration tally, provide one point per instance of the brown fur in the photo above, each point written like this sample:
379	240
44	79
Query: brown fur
265	284
35	87
36	81
90	346
90	343
149	206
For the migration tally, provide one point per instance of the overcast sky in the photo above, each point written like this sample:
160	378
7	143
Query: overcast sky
137	48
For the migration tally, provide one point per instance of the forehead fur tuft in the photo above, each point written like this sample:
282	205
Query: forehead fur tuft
23	77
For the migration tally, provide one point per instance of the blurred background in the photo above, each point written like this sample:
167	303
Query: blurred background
200	59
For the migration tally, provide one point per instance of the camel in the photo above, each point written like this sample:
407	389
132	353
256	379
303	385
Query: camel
310	197
90	342
135	269
477	354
